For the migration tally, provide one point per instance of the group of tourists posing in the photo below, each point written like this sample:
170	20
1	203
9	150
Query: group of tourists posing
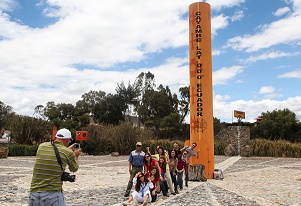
160	172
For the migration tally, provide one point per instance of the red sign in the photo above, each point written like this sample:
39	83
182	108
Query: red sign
81	135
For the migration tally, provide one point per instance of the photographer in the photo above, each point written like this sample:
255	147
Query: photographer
46	184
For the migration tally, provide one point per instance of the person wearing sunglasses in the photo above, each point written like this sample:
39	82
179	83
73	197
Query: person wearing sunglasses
142	193
190	152
135	165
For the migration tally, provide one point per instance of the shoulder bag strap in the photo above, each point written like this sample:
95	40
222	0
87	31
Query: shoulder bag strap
57	155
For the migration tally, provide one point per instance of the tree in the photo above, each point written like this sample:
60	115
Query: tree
39	112
4	111
218	125
90	99
65	115
129	95
170	125
145	81
51	111
184	102
109	110
279	124
156	105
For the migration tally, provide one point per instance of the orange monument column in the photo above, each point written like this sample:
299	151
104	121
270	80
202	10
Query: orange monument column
201	99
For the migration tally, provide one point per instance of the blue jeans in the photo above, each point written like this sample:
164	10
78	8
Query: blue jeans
174	180
46	199
186	175
163	186
180	179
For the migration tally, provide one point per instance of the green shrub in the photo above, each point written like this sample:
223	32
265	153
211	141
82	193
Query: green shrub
105	139
22	150
271	148
219	147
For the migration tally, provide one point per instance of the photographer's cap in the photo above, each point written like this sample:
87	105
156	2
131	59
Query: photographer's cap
63	134
138	144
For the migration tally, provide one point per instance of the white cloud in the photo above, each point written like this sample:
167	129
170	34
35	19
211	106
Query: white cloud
221	98
293	74
8	5
269	92
218	5
271	55
11	30
238	15
266	90
219	22
225	74
282	11
216	52
283	31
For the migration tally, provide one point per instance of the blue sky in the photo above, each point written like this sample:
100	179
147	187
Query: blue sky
52	50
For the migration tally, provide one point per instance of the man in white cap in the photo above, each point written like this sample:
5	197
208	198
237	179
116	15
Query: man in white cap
46	184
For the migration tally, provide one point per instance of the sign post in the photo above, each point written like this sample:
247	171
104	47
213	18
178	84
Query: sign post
201	98
239	115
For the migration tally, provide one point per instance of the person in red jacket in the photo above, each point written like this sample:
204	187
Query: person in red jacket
181	168
149	163
155	179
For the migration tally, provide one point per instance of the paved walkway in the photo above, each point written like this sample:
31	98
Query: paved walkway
102	180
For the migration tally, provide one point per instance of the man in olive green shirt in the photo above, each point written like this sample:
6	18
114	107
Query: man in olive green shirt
46	185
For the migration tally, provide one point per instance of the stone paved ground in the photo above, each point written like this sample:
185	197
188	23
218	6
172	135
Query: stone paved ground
102	180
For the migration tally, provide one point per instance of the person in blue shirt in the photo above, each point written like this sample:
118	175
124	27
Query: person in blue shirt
135	165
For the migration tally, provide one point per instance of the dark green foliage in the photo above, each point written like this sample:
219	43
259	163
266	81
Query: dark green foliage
218	125
129	95
279	124
28	130
184	102
5	110
110	110
22	150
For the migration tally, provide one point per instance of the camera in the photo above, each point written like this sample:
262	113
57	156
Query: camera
67	177
77	146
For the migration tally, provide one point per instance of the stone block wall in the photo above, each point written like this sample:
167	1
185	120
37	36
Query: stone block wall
238	137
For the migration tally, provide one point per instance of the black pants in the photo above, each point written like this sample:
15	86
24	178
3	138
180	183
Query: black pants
154	197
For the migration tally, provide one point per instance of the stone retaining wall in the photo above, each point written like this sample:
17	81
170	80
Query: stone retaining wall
238	138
